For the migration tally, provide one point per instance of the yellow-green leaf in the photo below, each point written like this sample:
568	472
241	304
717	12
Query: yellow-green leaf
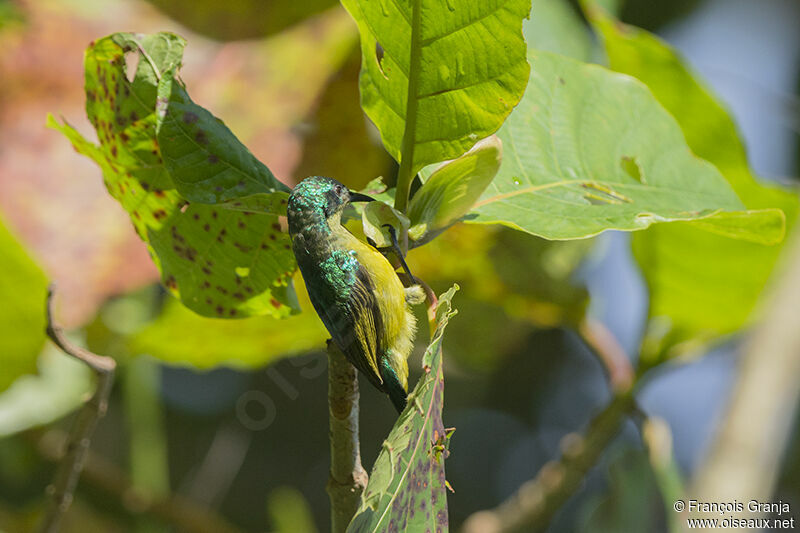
23	287
453	188
446	72
589	150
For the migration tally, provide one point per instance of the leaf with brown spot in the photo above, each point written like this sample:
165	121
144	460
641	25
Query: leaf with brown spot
406	489
207	162
136	176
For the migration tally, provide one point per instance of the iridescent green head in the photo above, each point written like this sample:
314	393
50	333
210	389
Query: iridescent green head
316	199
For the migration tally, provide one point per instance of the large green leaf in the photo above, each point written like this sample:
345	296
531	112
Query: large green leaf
23	288
219	262
554	26
444	73
210	342
406	489
589	150
701	284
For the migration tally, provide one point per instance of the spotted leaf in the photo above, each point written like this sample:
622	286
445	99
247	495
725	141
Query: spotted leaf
407	488
206	161
218	262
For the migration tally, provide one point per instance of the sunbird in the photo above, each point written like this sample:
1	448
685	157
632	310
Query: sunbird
354	289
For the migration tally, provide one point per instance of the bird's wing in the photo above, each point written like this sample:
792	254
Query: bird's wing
363	307
353	320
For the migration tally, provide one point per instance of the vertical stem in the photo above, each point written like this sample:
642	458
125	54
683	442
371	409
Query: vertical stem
69	470
148	448
406	172
348	478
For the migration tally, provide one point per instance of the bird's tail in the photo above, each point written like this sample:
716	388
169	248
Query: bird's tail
393	387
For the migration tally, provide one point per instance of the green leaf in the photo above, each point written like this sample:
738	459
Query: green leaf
236	20
206	161
406	489
219	262
23	288
61	386
209	342
712	286
375	216
588	150
554	26
452	189
265	203
448	72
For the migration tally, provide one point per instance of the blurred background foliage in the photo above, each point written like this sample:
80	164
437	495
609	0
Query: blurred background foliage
212	419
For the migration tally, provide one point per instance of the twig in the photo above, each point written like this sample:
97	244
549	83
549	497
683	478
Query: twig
744	460
69	471
184	514
348	478
610	353
535	503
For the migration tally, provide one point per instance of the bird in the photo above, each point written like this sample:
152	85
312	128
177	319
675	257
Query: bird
353	287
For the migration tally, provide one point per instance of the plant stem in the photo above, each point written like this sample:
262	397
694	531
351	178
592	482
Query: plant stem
348	478
533	506
69	471
149	467
405	174
608	350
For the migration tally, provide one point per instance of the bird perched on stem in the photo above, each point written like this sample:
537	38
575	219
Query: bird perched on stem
353	287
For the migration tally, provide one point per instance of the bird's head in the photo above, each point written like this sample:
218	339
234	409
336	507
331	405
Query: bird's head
318	199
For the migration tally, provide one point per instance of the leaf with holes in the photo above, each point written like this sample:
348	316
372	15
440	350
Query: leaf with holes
23	287
407	487
588	150
219	262
447	73
728	275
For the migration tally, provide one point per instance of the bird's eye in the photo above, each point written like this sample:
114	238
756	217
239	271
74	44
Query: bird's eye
339	189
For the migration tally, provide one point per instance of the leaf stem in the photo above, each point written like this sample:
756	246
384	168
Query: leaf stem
348	478
608	350
405	174
77	446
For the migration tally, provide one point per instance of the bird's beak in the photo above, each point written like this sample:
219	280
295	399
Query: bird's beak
358	197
